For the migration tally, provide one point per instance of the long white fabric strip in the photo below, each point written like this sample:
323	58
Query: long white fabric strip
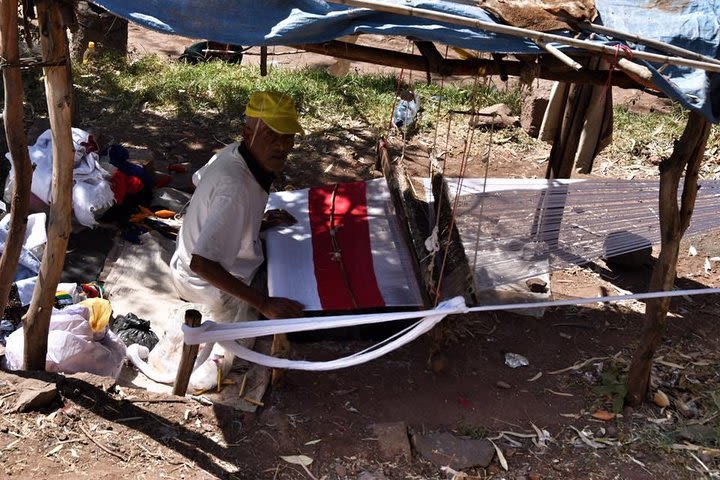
226	334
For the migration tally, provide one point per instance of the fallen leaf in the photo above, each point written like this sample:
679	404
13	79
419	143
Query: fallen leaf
313	442
660	399
303	460
692	251
501	457
708	265
538	375
587	440
603	415
54	450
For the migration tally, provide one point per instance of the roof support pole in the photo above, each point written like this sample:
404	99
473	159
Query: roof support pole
674	219
17	144
58	91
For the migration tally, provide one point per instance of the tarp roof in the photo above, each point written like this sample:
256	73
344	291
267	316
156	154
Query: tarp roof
693	25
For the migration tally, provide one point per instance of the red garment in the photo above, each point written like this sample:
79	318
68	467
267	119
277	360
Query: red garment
123	185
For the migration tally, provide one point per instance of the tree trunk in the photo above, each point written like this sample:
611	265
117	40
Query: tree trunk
674	220
17	144
59	93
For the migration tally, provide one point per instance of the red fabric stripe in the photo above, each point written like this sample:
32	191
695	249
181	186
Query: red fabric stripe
353	237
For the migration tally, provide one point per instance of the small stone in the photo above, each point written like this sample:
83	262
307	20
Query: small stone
535	476
34	394
341	471
377	475
504	385
537	285
392	440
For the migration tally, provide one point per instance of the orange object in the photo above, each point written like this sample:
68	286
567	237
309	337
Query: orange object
165	214
603	415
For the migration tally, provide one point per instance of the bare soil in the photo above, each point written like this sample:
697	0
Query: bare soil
90	431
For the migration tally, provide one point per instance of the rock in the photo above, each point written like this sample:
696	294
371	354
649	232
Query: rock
494	116
698	434
532	111
443	448
501	384
537	285
34	394
392	440
378	475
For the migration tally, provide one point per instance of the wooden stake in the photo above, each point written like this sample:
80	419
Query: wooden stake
687	156
263	61
193	318
17	144
59	93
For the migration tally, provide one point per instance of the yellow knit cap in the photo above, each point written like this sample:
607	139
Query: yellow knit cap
276	110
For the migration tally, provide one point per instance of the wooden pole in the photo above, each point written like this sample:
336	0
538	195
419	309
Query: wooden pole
17	144
193	318
548	69
533	35
59	93
674	220
263	61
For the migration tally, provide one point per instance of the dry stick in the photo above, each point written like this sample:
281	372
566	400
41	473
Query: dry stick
189	355
560	55
59	96
533	35
103	447
17	144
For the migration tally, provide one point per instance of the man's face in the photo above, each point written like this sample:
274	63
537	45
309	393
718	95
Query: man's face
270	148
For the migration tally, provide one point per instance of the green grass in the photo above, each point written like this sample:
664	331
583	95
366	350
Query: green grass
217	88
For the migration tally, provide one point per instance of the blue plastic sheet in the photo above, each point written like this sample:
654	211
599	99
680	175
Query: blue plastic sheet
689	24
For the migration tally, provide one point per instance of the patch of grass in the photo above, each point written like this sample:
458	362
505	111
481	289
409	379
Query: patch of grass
639	136
655	438
475	432
216	88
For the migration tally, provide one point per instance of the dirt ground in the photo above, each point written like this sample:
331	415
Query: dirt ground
105	432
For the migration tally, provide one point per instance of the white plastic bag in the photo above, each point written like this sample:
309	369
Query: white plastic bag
72	346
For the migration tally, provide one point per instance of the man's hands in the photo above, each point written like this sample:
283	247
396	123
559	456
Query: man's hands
270	307
280	307
276	218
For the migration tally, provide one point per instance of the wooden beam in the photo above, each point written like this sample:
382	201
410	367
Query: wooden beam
548	69
193	319
404	203
18	146
686	157
59	94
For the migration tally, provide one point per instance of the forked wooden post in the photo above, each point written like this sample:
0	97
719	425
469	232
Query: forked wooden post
18	146
193	318
674	220
58	91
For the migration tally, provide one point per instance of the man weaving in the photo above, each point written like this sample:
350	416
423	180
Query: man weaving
218	248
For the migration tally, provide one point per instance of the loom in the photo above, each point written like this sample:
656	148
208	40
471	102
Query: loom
509	230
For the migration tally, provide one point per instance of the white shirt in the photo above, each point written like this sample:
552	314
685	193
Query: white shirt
221	224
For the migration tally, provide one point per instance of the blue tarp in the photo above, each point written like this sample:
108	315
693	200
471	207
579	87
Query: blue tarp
691	24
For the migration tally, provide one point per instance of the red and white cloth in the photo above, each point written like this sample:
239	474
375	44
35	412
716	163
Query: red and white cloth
373	269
